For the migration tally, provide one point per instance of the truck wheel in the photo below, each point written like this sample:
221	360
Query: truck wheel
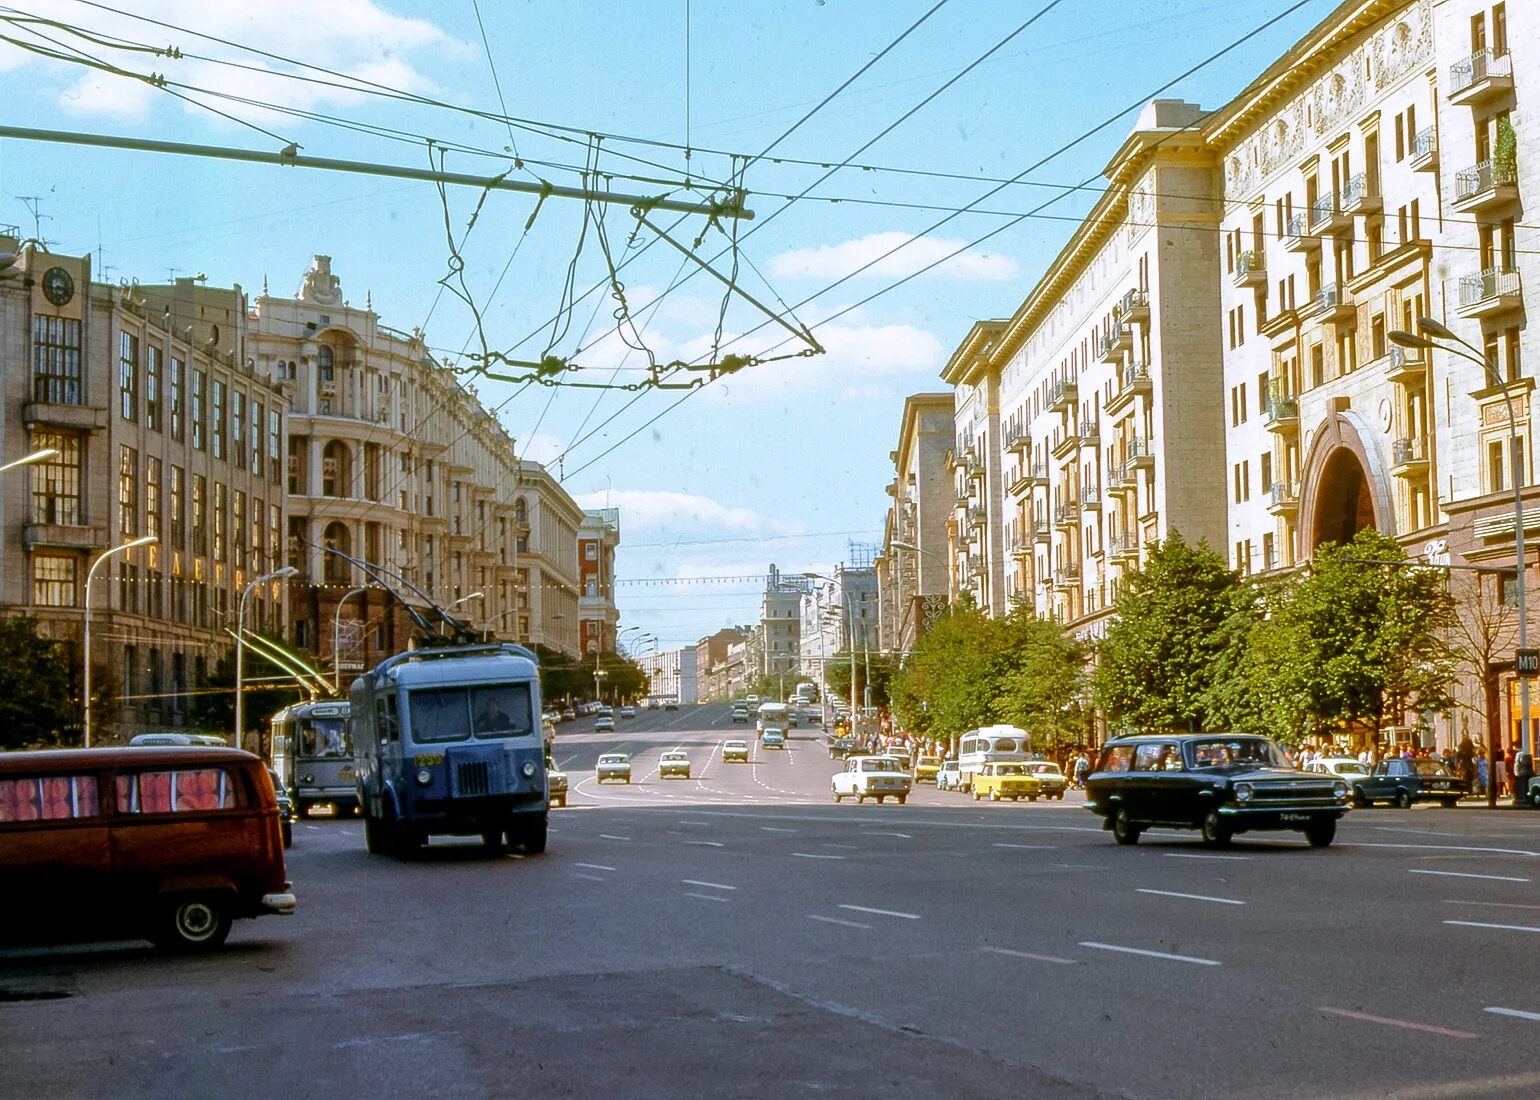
374	836
193	922
492	841
531	837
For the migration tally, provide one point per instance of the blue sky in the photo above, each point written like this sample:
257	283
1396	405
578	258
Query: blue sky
781	462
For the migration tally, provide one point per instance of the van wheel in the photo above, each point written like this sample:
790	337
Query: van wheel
195	922
288	834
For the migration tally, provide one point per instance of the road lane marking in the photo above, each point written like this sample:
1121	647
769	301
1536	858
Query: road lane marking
847	847
1490	904
705	897
594	866
1030	847
1421	832
773	829
1149	954
590	878
1407	1024
706	843
1499	927
1028	955
1516	1013
607	836
705	824
707	885
814	855
1189	897
836	920
901	836
1446	848
1466	874
1200	855
881	912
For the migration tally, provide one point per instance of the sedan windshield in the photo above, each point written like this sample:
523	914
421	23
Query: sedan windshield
613	760
1224	752
1009	769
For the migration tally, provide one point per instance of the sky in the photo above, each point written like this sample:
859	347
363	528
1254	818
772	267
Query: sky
781	461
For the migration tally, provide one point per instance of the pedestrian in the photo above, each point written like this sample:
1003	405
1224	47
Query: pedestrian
1482	774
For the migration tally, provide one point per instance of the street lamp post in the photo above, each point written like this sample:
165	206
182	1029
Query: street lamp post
1428	327
240	645
337	632
85	642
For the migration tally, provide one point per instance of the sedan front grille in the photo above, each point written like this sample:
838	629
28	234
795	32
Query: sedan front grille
1291	792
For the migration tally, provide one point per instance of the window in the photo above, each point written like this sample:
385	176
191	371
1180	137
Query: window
1511	356
591	551
174	397
1499	29
183	790
53	581
274	441
200	533
1495	467
56	361
174	507
1265	469
48	798
197	409
237	427
325	361
238	530
128	487
221	519
128	375
217	419
152	496
56	480
152	387
258	411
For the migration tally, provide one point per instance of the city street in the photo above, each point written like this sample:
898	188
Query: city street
738	934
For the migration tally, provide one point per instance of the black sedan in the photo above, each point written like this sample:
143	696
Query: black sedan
1220	784
841	747
1403	782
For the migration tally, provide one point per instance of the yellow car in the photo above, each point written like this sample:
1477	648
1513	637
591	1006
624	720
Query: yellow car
1013	781
925	769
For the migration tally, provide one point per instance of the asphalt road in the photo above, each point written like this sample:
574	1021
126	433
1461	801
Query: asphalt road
737	934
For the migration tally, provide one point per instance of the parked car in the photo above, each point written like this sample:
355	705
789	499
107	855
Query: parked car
740	714
628	712
925	768
169	843
675	763
772	739
1049	777
604	724
735	751
285	808
1349	768
613	765
1221	784
997	781
879	777
1403	782
555	783
948	777
842	747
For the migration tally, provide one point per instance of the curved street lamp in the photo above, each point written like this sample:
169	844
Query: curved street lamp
35	456
240	645
85	643
337	632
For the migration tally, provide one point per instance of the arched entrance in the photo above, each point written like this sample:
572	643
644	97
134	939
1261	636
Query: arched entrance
1344	486
1343	504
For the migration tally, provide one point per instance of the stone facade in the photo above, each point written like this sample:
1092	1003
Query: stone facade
913	574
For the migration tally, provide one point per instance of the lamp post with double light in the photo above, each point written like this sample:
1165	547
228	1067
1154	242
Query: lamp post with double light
240	646
85	642
1428	337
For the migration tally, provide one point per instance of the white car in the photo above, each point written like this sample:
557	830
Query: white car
613	765
1050	778
949	778
628	711
879	777
735	750
1346	768
674	763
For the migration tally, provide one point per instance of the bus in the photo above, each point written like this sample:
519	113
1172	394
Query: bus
313	756
805	693
448	741
990	745
773	716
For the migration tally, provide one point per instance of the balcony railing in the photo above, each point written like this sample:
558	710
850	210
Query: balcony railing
1409	451
1251	268
1480	74
1358	197
1066	574
1284	494
1484	184
1298	236
1090	497
1424	149
1489	290
1282	409
1332	303
1405	364
1062	393
1323	209
978	516
1133	306
1066	513
1124	545
1139	449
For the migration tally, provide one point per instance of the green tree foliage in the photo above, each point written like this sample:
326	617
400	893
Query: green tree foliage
39	703
269	688
562	677
1041	681
1164	648
837	675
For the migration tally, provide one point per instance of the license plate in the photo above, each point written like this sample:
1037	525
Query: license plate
1294	817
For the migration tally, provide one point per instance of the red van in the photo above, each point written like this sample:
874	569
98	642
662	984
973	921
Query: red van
166	843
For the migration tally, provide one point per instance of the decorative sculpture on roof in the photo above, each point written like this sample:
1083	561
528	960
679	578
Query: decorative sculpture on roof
321	286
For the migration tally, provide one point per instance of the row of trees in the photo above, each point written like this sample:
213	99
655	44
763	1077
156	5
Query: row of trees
1357	640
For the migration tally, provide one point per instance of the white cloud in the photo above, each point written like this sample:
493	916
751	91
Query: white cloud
835	261
541	447
663	511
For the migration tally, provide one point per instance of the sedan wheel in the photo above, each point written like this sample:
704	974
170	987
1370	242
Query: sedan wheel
1403	800
1216	833
1320	834
976	794
1124	831
994	796
838	798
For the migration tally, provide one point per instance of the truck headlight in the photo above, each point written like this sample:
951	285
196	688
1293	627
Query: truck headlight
528	769
424	776
1243	792
1339	790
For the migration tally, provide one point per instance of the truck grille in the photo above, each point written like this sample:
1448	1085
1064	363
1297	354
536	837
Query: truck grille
472	780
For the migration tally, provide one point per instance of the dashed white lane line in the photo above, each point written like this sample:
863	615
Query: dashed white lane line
901	836
1447	848
1409	1025
1516	1013
1466	874
1149	954
1498	927
706	843
773	829
701	824
1490	904
590	878
705	897
836	920
594	866
1028	955
881	912
1028	847
1200	855
814	855
707	885
608	836
847	847
1189	897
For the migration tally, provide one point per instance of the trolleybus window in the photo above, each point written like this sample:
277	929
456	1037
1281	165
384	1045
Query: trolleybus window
450	714
322	737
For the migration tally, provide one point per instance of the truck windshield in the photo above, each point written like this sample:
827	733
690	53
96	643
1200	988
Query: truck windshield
452	713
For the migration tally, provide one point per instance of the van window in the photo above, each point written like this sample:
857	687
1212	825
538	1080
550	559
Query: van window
181	790
48	798
1116	758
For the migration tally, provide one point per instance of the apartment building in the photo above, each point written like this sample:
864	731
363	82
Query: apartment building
672	674
975	546
913	568
598	538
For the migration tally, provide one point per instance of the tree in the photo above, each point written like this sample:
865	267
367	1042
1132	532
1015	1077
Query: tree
213	708
1162	650
946	687
39	703
837	675
1042	681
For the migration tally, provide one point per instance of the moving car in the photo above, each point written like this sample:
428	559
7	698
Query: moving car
772	739
740	714
925	768
752	700
613	765
628	711
948	777
735	751
1403	782
879	777
674	763
1349	768
1049	777
671	704
604	723
1221	784
568	714
997	781
556	783
842	747
285	809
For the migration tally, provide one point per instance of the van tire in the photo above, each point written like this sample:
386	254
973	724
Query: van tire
192	922
288	834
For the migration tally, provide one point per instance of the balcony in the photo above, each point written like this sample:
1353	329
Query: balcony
64	536
1133	380
1424	156
1015	481
1284	498
1062	396
974	465
1066	574
1281	414
1139	452
1409	456
1488	292
1016	439
978	516
976	567
1123	546
1134	308
1406	366
963	495
1334	305
55	414
1090	498
1327	216
1485	186
1299	237
1359	197
1481	77
1251	268
1021	544
1090	435
1041	532
1067	515
1122	481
